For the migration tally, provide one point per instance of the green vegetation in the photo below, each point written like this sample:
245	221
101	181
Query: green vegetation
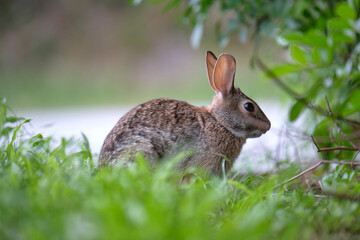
51	190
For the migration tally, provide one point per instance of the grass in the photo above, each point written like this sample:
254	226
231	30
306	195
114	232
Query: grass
54	190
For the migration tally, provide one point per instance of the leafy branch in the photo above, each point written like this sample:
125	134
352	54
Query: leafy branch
298	97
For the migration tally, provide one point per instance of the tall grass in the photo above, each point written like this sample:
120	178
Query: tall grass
54	190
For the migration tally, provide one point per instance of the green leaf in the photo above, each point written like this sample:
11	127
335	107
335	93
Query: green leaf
353	103
344	10
241	186
17	129
322	128
315	38
3	112
298	54
14	119
329	56
315	56
343	36
338	23
341	31
293	37
286	69
296	110
85	142
6	131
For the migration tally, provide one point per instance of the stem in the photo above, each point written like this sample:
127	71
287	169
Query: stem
304	172
332	148
321	162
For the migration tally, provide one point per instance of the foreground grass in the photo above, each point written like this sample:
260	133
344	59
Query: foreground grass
52	190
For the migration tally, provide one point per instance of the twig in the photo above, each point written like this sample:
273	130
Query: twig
313	139
355	156
337	148
298	97
304	172
343	196
319	164
338	195
332	148
320	196
338	127
348	162
321	186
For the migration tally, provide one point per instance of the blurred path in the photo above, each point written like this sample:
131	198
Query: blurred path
96	123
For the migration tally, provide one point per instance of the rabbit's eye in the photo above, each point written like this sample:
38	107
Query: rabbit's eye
249	106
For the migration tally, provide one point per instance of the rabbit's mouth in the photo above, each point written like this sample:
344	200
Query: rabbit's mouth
256	131
255	134
249	132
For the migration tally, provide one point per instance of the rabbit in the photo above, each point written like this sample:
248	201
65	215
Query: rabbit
164	127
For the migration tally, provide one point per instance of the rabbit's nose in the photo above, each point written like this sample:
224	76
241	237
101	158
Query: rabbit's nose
268	126
263	127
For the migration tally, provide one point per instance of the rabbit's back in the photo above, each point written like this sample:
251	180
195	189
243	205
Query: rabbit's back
162	127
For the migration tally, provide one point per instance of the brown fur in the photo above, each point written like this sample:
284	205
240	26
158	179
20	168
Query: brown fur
163	127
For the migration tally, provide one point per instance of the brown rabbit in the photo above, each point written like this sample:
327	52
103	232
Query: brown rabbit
163	127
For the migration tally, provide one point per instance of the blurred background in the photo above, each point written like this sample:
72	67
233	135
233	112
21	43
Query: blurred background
77	66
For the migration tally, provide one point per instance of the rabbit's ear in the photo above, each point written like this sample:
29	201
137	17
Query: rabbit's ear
224	74
210	64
